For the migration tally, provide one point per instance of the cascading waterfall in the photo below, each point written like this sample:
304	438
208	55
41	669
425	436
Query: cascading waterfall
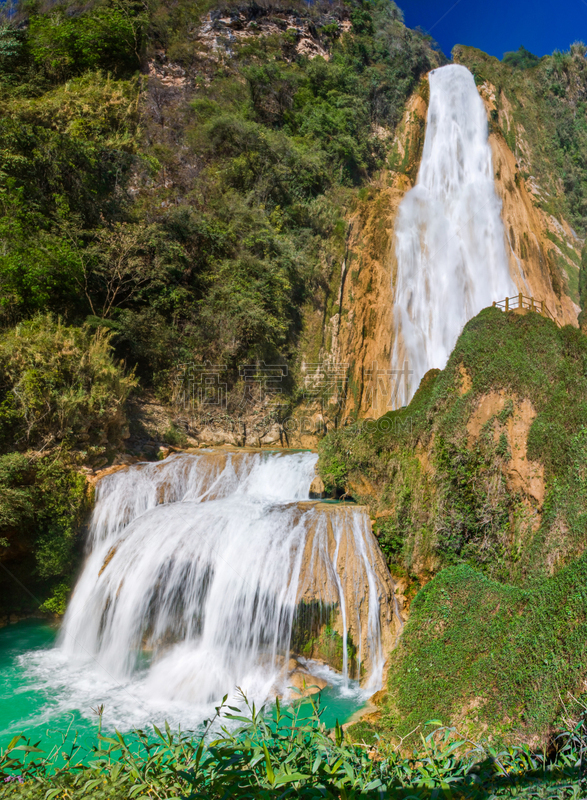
450	245
196	568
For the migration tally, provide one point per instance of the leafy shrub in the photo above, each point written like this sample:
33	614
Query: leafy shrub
43	500
57	602
59	384
520	58
290	754
174	436
108	36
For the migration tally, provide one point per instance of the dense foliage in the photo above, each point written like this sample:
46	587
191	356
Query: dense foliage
195	222
483	653
520	58
59	385
289	754
43	500
501	634
61	404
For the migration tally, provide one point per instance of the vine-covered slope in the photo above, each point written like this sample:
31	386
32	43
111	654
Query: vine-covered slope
480	482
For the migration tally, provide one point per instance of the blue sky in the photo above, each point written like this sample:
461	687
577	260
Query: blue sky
540	25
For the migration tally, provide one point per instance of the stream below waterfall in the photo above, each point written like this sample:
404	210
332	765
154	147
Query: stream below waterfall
203	573
42	697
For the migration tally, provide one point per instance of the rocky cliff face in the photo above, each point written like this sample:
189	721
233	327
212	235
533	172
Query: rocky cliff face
543	251
531	233
353	328
362	601
362	330
535	120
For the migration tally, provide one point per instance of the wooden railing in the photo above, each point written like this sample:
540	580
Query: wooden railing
527	304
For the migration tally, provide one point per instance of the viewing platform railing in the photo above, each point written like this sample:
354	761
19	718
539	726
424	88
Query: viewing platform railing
523	303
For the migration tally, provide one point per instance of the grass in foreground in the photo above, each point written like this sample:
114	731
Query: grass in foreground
288	754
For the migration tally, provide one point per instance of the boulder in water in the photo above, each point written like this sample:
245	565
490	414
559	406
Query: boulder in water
302	679
317	489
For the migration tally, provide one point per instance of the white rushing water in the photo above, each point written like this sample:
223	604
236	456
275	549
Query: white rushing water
450	245
195	569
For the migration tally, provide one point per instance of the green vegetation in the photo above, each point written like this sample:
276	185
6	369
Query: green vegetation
165	222
541	113
464	497
490	656
520	58
43	501
313	636
61	405
59	385
496	638
289	754
194	225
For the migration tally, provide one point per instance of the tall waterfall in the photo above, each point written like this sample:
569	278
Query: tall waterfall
197	568
450	246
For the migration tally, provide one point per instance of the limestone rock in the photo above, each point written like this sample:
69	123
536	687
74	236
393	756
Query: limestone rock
317	488
339	528
378	698
306	683
273	436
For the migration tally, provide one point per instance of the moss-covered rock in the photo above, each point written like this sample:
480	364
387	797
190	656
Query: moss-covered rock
480	485
500	662
485	464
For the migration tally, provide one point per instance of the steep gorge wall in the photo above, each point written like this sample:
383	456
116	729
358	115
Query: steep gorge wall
362	331
535	260
543	253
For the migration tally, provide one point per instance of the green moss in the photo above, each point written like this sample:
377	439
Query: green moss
479	653
456	505
365	733
313	636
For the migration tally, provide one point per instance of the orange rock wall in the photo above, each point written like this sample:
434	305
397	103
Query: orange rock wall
361	333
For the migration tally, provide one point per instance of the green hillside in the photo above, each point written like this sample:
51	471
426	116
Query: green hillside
495	642
176	184
166	198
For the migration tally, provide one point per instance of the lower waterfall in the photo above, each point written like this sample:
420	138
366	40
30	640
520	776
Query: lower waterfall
203	572
450	240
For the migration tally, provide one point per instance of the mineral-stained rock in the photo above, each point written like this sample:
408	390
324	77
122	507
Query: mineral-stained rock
343	534
317	489
306	683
